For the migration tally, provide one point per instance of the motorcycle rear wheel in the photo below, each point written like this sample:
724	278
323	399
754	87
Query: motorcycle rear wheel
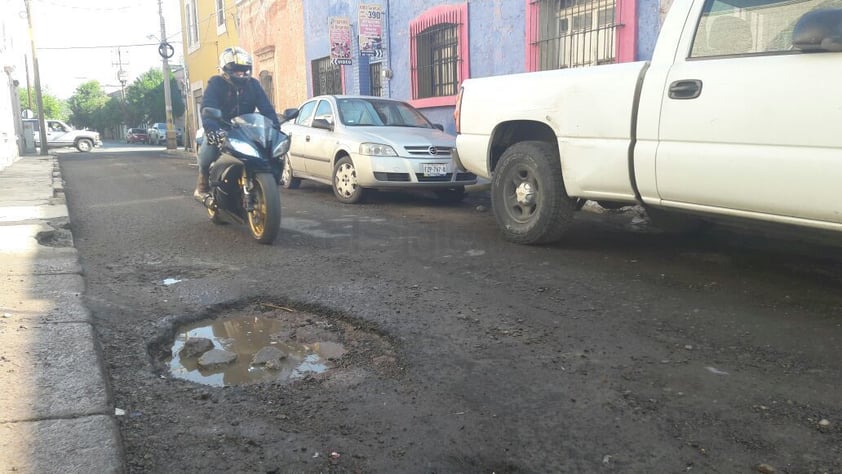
265	219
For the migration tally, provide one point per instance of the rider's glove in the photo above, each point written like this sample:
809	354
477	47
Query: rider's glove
215	137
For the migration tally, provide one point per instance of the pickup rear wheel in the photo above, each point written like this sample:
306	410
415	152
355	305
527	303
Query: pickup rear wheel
528	196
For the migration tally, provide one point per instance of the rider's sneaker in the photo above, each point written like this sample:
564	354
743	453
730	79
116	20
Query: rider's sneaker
202	188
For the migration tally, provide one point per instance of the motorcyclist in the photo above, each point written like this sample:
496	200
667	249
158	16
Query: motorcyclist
234	92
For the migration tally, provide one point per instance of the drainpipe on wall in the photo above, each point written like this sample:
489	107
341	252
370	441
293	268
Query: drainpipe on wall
388	35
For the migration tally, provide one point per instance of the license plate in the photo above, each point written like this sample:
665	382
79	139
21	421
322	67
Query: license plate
435	169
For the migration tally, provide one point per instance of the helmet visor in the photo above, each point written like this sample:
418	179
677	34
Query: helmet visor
239	68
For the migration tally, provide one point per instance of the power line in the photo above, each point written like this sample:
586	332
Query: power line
41	48
136	4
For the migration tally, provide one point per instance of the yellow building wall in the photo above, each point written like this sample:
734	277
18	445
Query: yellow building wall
201	58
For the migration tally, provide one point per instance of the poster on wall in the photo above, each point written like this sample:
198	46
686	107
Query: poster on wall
371	30
340	40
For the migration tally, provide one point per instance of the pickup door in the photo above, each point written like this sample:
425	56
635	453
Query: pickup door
748	124
58	134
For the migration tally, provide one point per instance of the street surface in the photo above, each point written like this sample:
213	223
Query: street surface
620	349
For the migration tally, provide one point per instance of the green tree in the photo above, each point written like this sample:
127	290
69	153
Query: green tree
85	103
110	117
54	108
145	98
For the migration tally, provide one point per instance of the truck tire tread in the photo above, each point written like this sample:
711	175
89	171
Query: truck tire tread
536	163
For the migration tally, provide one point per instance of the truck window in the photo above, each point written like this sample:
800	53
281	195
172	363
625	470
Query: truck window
755	27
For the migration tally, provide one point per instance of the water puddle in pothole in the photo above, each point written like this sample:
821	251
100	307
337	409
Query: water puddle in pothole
263	348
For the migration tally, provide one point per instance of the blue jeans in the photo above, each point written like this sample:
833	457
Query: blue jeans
207	155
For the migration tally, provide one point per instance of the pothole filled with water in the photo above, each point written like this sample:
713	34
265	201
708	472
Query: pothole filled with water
255	345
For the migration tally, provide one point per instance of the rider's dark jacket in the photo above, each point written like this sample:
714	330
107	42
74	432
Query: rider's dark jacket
234	99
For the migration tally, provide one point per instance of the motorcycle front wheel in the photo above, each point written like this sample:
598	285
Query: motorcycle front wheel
265	218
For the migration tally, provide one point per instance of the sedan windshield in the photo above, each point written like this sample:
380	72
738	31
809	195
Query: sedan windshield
379	113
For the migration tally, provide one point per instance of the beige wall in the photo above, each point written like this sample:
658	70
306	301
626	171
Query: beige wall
273	31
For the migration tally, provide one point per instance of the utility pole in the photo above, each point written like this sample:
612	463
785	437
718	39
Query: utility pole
39	100
121	73
28	85
166	51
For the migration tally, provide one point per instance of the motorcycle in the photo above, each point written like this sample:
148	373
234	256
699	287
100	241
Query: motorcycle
244	179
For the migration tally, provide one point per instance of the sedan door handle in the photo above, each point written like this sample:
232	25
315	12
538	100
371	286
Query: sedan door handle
685	89
307	138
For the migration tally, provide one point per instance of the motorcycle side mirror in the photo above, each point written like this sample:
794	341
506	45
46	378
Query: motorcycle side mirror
211	113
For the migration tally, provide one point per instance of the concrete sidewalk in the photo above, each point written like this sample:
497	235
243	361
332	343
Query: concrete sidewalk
56	408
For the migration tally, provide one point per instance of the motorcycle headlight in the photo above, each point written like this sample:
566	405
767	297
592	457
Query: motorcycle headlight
376	149
281	148
242	147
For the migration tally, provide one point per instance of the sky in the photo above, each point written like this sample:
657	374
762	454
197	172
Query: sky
82	40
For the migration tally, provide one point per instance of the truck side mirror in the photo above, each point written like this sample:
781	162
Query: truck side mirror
819	30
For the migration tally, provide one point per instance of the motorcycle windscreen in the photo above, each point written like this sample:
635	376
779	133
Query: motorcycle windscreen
254	128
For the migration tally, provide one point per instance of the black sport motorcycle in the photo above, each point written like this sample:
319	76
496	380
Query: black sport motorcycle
244	179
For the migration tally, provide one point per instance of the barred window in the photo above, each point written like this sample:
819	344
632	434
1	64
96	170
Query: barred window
574	33
437	61
376	85
438	55
327	77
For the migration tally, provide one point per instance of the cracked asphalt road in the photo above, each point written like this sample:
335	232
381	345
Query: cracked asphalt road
621	349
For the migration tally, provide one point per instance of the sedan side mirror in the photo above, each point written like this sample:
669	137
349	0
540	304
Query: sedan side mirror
290	114
322	123
819	30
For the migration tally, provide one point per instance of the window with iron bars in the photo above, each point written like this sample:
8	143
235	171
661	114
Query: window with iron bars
575	33
327	77
374	71
437	61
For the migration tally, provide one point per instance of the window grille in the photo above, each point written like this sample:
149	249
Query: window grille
575	33
438	55
437	62
327	77
374	71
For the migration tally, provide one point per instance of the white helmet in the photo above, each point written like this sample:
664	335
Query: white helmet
235	59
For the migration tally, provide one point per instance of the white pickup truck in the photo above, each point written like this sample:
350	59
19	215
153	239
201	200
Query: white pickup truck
738	114
60	135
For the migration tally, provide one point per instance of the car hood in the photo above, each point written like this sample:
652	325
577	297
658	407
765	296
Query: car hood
399	137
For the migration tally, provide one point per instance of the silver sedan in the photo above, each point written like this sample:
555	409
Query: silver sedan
355	143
